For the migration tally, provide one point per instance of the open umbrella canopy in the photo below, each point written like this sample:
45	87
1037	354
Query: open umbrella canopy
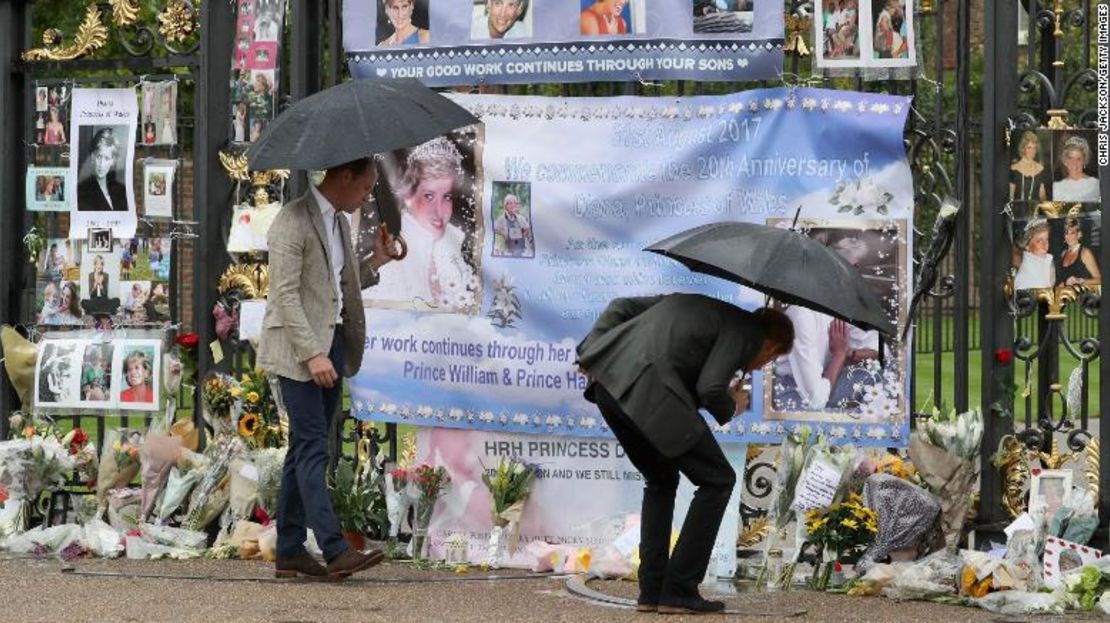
785	264
354	120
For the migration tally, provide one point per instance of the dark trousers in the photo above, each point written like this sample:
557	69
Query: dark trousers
662	574
304	501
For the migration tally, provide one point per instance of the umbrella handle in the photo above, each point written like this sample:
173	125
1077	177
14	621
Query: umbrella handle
399	241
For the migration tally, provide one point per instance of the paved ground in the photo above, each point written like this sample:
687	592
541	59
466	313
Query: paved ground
32	590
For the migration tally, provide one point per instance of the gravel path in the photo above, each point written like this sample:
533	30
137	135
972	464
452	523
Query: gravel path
34	590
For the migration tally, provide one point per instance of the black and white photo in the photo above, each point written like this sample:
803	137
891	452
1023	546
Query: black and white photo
104	123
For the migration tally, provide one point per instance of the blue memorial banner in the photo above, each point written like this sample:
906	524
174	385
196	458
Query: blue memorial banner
520	41
522	229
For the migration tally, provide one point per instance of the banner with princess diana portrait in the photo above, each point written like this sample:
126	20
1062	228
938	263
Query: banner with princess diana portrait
521	230
520	41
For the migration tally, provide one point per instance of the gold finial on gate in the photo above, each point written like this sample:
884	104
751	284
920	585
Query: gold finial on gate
1011	463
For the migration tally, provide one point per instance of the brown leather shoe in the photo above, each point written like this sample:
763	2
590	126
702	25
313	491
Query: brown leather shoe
352	561
299	565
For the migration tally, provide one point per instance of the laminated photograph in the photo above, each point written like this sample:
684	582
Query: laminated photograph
104	123
158	188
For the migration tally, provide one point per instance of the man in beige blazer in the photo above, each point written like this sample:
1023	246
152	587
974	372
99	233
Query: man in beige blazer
314	330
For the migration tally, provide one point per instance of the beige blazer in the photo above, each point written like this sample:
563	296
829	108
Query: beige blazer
301	306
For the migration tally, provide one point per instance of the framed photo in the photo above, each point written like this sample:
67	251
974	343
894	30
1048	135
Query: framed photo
46	189
158	188
511	215
1050	491
100	240
1061	557
1056	245
138	370
868	388
58	373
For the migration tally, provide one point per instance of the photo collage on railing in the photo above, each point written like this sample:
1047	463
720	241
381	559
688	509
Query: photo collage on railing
1056	217
102	281
255	67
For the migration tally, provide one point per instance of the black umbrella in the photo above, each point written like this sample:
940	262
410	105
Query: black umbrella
783	263
354	120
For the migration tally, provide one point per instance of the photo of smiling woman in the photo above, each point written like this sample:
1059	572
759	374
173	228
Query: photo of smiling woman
399	23
138	374
435	190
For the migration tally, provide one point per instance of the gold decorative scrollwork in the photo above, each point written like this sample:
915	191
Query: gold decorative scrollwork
91	36
1058	298
1010	461
253	279
237	169
407	457
1058	118
235	165
1093	461
756	530
796	28
1055	459
1056	209
125	12
177	21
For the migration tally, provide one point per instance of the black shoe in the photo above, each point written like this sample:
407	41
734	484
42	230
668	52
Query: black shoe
689	605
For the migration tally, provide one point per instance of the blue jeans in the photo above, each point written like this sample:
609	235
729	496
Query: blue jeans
305	501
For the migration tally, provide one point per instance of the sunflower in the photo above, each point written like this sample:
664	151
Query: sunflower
248	424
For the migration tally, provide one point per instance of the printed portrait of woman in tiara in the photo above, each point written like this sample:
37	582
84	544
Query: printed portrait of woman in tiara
434	188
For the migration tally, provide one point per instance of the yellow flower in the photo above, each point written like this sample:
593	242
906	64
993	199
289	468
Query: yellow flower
29	432
851	524
252	397
871	526
246	377
248	424
236	391
816	524
812	514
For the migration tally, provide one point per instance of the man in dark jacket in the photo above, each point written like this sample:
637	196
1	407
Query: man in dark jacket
652	363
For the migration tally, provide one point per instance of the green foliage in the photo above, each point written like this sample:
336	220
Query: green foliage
358	501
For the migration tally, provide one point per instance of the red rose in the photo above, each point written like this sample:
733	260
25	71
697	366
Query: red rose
3	494
188	341
80	438
1003	356
837	567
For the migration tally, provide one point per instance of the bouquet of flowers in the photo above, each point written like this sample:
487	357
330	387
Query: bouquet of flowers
840	529
945	449
212	494
509	484
429	484
160	452
119	461
220	392
397	500
189	470
83	453
270	463
258	423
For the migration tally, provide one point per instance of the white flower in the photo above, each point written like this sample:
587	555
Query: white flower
520	419
456	414
587	422
486	416
949	210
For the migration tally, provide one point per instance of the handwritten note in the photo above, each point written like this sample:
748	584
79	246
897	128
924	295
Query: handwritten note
817	486
250	320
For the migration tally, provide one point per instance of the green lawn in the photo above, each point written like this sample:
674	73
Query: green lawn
925	375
